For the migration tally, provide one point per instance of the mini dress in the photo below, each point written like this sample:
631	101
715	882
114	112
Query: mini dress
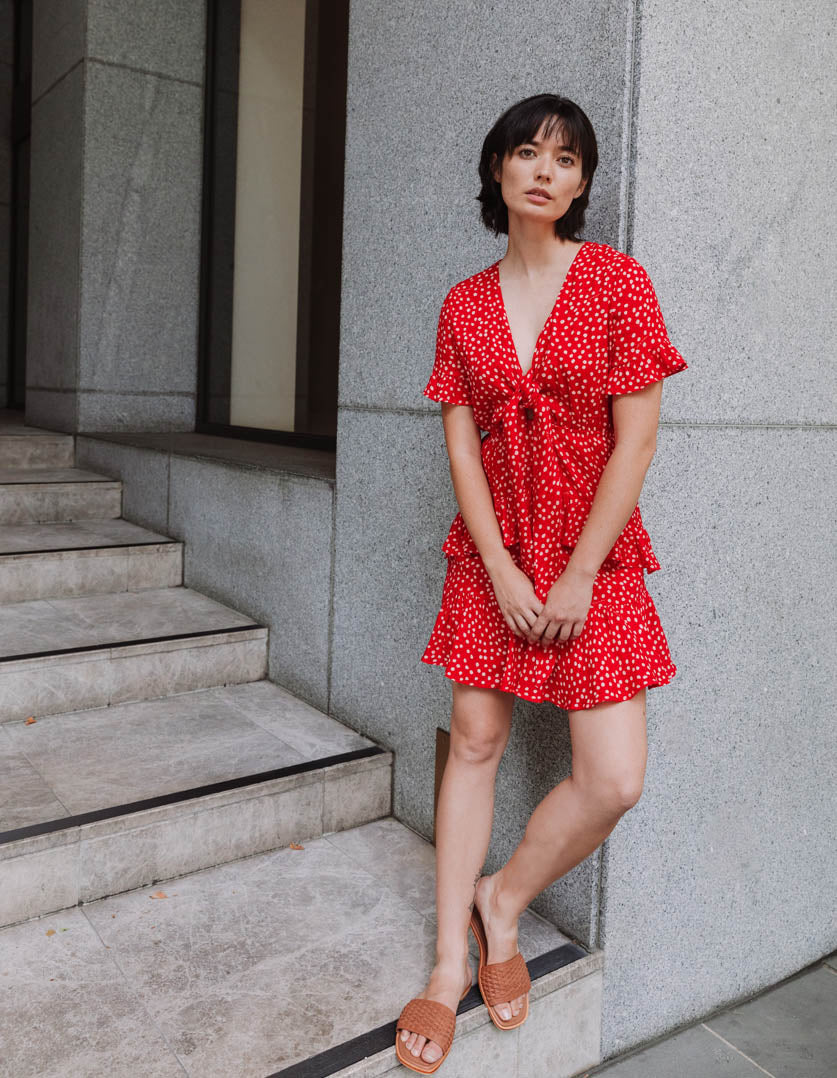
546	435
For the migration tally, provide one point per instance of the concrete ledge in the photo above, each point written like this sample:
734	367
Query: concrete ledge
261	456
53	871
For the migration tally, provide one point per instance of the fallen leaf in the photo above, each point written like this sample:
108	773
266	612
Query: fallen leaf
296	846
159	894
29	721
50	932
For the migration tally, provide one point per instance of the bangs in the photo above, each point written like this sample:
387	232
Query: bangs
563	124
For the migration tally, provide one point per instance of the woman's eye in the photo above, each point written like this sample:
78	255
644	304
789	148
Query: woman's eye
527	149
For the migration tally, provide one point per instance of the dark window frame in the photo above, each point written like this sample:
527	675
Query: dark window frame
19	137
320	246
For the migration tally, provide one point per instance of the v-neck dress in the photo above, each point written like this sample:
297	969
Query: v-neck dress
548	433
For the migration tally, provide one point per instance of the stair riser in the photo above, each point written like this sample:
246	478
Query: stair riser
33	451
561	1037
67	573
84	679
53	871
24	504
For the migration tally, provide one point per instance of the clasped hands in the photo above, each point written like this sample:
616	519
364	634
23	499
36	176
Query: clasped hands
560	618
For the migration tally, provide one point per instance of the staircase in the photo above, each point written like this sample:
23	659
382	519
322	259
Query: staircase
199	872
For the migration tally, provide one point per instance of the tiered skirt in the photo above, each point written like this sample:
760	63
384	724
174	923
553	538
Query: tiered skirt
621	649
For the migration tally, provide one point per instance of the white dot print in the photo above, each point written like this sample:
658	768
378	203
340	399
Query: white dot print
550	434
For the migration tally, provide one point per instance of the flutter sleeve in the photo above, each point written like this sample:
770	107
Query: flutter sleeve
639	349
449	377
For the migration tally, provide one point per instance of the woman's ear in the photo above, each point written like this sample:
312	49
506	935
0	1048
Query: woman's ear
495	172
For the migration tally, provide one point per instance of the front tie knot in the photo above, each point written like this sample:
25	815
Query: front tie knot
543	476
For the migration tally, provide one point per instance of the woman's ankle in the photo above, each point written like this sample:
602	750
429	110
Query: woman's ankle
503	901
452	960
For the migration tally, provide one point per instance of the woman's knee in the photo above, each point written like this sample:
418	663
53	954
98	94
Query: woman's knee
477	744
480	723
614	794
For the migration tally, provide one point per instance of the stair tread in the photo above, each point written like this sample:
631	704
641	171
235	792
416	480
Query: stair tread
12	425
74	534
14	476
36	626
241	969
80	761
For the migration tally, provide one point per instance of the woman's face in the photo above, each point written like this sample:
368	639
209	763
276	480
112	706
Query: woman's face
546	164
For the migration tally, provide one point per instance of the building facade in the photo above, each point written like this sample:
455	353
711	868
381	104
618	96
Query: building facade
229	228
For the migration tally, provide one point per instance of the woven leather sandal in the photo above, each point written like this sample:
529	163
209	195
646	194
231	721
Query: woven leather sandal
500	982
429	1019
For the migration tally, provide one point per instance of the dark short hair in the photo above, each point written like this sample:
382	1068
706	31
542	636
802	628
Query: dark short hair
520	123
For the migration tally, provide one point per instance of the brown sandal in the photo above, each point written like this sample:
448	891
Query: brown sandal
429	1019
500	982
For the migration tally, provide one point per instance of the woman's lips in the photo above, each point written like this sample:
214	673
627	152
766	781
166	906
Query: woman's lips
539	199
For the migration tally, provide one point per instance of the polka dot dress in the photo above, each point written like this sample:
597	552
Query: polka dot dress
548	435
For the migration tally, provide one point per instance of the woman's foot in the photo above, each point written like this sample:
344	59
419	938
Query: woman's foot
501	933
446	985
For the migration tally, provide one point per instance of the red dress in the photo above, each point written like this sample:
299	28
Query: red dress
549	436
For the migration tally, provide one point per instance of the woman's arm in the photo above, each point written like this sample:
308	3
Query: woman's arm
470	483
636	417
516	596
635	420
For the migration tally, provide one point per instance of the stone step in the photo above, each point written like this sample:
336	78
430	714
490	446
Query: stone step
29	495
90	651
112	798
294	961
90	557
22	446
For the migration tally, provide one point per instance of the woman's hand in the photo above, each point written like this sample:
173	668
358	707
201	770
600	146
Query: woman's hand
516	598
565	610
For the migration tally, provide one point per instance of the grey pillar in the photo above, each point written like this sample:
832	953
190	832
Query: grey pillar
117	104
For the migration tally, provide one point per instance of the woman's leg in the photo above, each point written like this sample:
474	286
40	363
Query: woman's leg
609	749
479	731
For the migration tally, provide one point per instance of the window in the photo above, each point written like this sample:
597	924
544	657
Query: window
274	144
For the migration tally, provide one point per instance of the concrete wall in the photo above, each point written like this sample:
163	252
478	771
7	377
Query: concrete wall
719	882
426	83
715	134
117	101
258	536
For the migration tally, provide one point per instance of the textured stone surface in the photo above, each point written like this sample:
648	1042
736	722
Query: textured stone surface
732	203
58	41
141	240
115	209
54	249
255	537
261	542
235	967
422	213
142	35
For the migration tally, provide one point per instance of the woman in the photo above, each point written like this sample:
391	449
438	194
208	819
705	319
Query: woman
558	350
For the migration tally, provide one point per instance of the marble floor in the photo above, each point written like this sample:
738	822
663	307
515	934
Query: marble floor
50	475
788	1031
74	534
242	969
44	625
109	756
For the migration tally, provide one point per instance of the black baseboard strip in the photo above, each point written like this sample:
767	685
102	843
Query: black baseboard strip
66	822
54	482
377	1040
93	546
127	643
